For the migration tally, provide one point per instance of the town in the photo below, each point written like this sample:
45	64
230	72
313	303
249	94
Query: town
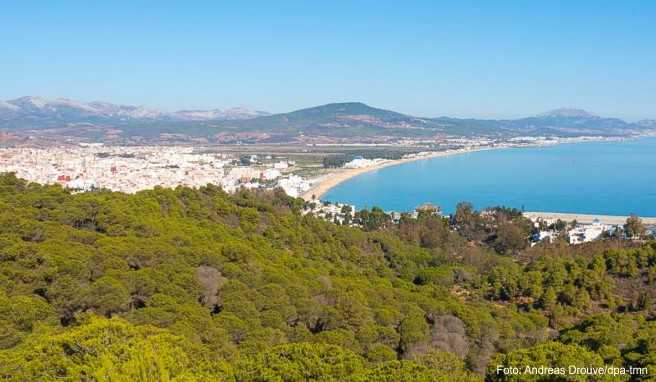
92	166
129	169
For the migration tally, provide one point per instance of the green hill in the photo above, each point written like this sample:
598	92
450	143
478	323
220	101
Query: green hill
340	120
197	284
357	120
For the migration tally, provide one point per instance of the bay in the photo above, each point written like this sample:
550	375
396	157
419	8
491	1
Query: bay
606	178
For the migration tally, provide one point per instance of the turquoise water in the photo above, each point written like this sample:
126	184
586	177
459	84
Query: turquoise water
611	178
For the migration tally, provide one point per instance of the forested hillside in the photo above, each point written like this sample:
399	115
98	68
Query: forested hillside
195	285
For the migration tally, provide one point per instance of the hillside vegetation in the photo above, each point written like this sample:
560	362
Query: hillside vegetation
187	285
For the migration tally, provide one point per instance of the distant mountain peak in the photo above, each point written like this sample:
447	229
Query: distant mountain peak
32	101
568	113
341	106
68	110
348	108
348	104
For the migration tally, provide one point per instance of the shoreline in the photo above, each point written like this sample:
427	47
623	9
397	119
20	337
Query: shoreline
323	184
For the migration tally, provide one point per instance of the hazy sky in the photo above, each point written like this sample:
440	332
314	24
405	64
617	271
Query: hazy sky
428	58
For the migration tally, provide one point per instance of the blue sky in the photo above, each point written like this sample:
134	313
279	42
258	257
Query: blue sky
428	58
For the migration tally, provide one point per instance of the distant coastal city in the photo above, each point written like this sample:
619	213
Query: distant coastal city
90	166
82	167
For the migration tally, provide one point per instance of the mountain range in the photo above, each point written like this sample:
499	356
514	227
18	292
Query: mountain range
335	122
355	121
38	110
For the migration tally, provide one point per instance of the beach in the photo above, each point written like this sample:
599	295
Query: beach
324	183
538	180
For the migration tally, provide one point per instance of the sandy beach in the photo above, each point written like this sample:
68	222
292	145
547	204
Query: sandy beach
587	219
324	183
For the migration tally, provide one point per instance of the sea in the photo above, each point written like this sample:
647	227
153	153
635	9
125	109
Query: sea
593	177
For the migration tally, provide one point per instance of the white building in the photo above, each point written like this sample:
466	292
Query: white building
588	232
294	185
361	163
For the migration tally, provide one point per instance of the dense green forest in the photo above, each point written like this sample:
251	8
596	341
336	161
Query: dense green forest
196	285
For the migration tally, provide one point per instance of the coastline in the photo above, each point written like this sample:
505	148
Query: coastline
322	184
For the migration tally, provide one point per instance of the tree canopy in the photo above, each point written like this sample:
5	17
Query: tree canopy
183	285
